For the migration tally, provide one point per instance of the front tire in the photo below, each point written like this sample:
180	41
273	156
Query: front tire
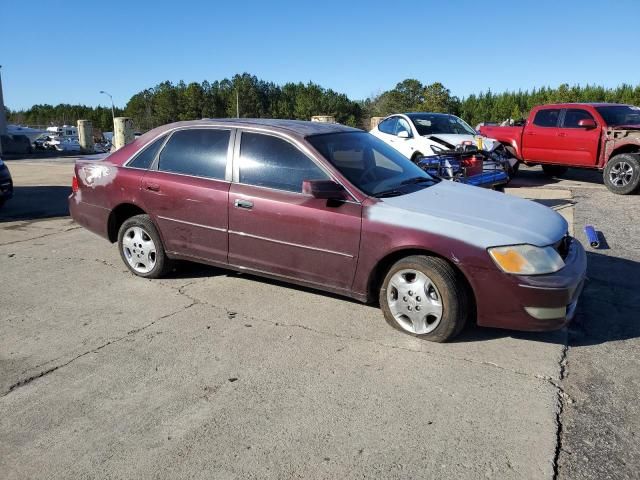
554	170
141	248
621	175
425	297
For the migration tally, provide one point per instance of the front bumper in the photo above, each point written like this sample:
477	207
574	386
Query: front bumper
536	302
6	184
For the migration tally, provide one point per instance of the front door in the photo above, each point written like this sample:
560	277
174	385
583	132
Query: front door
578	146
540	137
274	228
186	193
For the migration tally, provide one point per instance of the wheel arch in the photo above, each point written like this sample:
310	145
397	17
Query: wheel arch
118	216
384	264
626	148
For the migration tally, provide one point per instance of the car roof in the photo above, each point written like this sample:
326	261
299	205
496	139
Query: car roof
578	104
298	127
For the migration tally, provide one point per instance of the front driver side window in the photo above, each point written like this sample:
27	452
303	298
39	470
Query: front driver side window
268	161
403	126
388	126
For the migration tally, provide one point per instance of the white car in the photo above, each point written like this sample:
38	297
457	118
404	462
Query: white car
422	134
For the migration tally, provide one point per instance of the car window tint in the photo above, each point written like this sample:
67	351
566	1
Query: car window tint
547	118
573	116
388	126
145	158
267	161
201	152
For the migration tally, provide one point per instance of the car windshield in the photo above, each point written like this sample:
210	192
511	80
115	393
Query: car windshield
440	123
370	164
620	115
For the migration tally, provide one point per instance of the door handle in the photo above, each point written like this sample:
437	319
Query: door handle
154	187
530	133
562	134
246	204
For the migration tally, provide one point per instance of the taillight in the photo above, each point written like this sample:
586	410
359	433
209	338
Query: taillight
74	184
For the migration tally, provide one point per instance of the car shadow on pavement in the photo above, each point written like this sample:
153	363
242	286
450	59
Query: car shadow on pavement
31	203
534	177
607	310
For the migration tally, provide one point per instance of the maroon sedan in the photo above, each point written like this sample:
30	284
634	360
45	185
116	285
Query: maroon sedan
334	208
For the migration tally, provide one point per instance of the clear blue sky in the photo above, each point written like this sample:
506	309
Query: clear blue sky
55	52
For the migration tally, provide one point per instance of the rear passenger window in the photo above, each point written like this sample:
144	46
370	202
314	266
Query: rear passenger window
547	118
201	152
388	126
268	161
145	158
573	116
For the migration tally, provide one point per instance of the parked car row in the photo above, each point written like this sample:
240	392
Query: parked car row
337	209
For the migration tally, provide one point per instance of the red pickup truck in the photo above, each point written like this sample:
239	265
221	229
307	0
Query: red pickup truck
603	136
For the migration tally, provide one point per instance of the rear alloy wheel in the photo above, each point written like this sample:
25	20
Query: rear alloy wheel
426	297
141	248
554	170
622	173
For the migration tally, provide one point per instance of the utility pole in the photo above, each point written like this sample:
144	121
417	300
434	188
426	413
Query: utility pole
3	119
113	110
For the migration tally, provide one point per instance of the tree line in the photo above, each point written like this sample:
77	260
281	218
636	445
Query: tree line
255	98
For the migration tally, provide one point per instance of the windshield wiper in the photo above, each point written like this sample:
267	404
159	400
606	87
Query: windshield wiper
417	180
389	193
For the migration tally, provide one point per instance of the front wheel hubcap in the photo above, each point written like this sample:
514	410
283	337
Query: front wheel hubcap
414	301
139	249
620	174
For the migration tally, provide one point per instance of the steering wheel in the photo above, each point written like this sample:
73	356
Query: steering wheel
369	172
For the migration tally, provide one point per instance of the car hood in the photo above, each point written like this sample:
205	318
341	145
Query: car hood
477	216
452	138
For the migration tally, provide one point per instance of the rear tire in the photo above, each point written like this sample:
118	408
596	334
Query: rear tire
621	175
554	170
141	248
425	297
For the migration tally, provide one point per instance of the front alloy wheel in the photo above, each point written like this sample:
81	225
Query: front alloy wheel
426	297
622	173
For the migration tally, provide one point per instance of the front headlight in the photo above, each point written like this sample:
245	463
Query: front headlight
526	259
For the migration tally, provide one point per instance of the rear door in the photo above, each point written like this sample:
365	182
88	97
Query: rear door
540	137
275	228
186	192
578	145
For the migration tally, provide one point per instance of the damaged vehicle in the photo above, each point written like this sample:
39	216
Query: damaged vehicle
446	146
337	209
602	136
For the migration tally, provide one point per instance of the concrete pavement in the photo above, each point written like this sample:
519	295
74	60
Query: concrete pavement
211	374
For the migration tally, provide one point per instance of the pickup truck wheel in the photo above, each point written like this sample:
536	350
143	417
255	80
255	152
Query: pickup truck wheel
622	173
425	297
141	248
554	170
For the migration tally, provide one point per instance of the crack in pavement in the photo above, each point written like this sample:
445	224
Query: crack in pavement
559	409
41	236
28	380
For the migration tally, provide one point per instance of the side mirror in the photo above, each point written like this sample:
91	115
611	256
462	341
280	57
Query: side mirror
587	123
327	189
403	134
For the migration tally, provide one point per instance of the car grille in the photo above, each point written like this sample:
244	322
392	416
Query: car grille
562	247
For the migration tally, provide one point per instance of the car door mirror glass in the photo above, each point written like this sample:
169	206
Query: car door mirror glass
403	134
325	189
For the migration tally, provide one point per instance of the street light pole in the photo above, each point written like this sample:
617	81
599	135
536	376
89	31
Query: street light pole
113	110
